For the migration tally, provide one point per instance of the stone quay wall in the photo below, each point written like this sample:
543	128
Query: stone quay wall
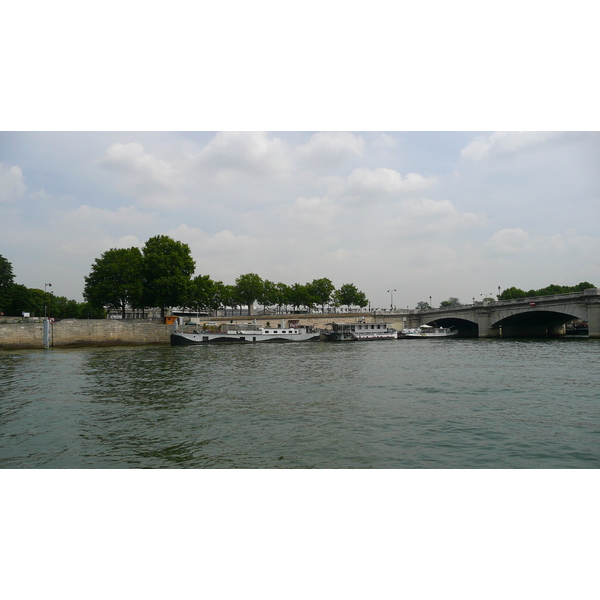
139	332
85	332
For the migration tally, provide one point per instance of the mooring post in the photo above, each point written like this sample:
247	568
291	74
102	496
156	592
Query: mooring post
46	333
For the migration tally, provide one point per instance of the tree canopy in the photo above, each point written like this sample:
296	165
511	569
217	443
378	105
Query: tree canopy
452	301
116	280
249	288
6	281
514	293
167	267
348	295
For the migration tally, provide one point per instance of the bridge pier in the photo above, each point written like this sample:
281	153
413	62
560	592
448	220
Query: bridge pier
483	325
594	321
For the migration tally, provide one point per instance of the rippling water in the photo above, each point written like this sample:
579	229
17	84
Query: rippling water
404	404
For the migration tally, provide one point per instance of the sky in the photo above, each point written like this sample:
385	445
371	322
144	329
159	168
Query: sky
422	214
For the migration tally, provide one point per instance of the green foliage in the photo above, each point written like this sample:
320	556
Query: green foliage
167	266
321	290
452	301
115	280
269	295
283	295
348	295
248	288
422	305
514	293
6	281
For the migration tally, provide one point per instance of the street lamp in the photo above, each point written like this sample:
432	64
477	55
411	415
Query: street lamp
430	306
391	299
46	285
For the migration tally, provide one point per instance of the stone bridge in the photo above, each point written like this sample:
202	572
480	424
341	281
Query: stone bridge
542	316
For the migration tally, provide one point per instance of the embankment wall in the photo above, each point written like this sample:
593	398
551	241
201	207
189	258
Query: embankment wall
134	332
85	332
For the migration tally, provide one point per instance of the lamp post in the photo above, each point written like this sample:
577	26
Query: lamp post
391	299
430	306
46	285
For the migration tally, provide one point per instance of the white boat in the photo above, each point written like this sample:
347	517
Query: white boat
353	332
248	333
427	331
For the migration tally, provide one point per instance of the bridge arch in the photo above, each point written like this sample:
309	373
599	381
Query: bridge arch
466	327
535	323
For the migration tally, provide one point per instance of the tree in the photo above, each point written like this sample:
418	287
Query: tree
201	293
452	301
115	280
269	294
422	305
348	295
249	288
297	296
512	293
283	295
322	290
6	282
18	300
166	270
229	296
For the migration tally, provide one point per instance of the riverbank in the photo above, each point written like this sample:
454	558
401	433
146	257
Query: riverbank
84	332
139	332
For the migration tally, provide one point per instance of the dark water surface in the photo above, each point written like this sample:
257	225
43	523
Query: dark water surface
391	404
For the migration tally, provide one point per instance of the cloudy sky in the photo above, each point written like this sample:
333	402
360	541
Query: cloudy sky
424	213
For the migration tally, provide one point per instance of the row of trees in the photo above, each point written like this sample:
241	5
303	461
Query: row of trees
16	299
514	293
250	288
160	275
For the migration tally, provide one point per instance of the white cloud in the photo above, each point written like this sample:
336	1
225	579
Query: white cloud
123	216
328	149
503	143
510	241
253	153
366	185
315	212
12	183
153	182
423	218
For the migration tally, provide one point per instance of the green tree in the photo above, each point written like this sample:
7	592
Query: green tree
348	295
512	293
249	288
452	301
115	280
268	296
229	296
19	301
167	267
6	282
298	296
422	305
322	290
201	293
283	295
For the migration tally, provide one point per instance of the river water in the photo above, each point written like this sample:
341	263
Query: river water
393	404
